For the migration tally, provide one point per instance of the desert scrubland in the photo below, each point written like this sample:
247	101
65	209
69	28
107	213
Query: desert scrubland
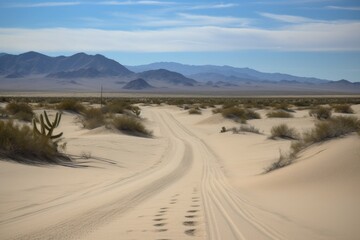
182	168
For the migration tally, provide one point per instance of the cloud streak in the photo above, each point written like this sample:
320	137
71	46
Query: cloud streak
302	37
287	18
45	4
343	8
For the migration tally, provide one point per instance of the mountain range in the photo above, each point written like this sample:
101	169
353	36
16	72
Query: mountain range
83	72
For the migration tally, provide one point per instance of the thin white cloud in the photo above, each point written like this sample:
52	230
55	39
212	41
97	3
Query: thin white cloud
215	6
182	20
344	8
287	18
110	3
302	37
154	3
291	2
45	4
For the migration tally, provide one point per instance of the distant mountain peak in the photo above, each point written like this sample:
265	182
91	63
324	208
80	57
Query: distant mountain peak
137	84
36	63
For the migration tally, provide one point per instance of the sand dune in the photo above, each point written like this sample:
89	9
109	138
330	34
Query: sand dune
188	182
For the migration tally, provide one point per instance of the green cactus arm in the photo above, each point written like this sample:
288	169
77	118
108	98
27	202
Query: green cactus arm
59	119
56	136
35	127
47	119
42	124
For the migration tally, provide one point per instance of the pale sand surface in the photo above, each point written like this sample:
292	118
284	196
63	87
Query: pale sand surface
187	182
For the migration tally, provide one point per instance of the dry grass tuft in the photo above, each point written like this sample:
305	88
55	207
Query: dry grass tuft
320	112
343	108
20	111
130	125
22	145
284	131
93	118
71	105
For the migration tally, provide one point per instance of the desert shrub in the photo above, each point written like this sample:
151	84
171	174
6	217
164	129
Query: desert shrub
249	128
92	118
343	108
283	106
237	113
245	128
334	127
121	107
283	131
216	110
279	114
284	160
325	130
21	144
320	112
130	125
71	105
194	111
21	111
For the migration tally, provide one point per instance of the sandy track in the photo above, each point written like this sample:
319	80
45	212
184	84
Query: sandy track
208	208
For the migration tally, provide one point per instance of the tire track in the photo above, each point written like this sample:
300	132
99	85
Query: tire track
77	227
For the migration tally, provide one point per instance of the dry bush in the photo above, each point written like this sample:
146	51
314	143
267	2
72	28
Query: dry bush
279	114
320	112
237	113
19	143
284	160
130	125
325	130
71	105
194	111
246	128
93	118
283	131
21	111
334	127
343	108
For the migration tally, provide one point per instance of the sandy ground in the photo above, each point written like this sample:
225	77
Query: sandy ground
187	182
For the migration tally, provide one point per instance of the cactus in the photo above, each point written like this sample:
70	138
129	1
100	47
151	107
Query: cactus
48	127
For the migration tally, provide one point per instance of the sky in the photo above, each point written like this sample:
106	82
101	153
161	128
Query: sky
314	38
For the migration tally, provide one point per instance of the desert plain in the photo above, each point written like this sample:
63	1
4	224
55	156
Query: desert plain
188	180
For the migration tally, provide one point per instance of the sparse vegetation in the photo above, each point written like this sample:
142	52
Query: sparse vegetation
324	130
334	127
20	144
71	105
283	131
130	125
194	111
21	111
249	128
320	112
237	113
279	114
343	108
93	118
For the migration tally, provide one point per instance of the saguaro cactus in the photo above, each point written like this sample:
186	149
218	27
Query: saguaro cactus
48	127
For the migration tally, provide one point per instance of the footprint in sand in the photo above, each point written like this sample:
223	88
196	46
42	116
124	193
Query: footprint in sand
192	211
190	216
189	223
159	224
159	219
190	232
161	230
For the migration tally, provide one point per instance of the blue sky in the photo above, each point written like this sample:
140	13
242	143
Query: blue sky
319	38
